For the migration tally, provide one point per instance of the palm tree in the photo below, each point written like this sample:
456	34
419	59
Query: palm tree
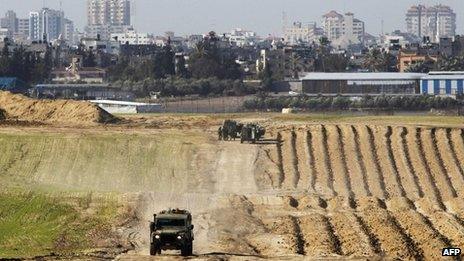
455	63
200	49
323	50
297	64
373	60
422	67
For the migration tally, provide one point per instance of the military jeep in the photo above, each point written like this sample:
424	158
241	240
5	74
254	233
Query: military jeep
252	133
172	230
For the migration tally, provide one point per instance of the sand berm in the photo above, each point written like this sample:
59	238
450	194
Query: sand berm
22	108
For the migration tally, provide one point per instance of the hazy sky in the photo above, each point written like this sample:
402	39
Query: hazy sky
262	16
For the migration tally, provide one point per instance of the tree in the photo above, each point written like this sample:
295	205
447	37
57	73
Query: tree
208	60
89	59
454	63
164	63
267	78
5	60
378	60
296	64
181	69
422	67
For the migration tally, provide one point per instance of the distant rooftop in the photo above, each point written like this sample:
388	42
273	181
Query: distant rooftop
333	14
363	76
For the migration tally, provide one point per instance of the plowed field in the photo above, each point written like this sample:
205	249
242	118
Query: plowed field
365	191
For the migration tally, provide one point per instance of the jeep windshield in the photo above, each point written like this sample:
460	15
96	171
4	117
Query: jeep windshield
160	223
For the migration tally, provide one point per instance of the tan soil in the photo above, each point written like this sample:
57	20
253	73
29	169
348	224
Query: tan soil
450	159
356	167
353	239
374	176
437	170
18	107
304	153
404	165
290	162
387	163
323	181
342	184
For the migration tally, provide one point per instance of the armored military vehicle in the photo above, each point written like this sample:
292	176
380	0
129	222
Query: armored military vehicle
172	230
252	133
230	130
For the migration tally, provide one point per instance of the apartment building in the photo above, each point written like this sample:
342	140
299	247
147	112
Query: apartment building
302	33
433	22
241	37
343	30
10	21
23	27
132	37
47	24
106	17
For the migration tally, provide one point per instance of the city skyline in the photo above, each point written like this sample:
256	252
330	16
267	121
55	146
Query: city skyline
263	16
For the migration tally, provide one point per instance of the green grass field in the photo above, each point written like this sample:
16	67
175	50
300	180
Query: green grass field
35	224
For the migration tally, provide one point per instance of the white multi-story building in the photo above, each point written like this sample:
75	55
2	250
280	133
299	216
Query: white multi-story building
302	33
433	22
343	30
68	30
23	27
132	37
106	17
5	33
34	26
241	37
48	25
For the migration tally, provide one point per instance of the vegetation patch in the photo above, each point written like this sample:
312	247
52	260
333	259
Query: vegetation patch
322	103
33	224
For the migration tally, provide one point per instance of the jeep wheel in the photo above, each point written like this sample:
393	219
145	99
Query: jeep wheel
183	251
154	250
186	250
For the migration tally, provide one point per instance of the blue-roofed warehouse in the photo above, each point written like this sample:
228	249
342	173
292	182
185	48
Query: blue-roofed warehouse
13	84
443	83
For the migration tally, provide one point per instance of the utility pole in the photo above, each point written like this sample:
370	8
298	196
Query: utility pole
382	26
133	13
284	22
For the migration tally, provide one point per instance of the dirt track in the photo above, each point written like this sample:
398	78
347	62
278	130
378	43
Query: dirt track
333	191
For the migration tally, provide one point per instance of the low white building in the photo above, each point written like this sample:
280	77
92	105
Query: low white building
393	41
128	107
132	37
5	33
241	37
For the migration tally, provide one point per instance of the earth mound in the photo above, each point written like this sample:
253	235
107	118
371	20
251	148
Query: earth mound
19	107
